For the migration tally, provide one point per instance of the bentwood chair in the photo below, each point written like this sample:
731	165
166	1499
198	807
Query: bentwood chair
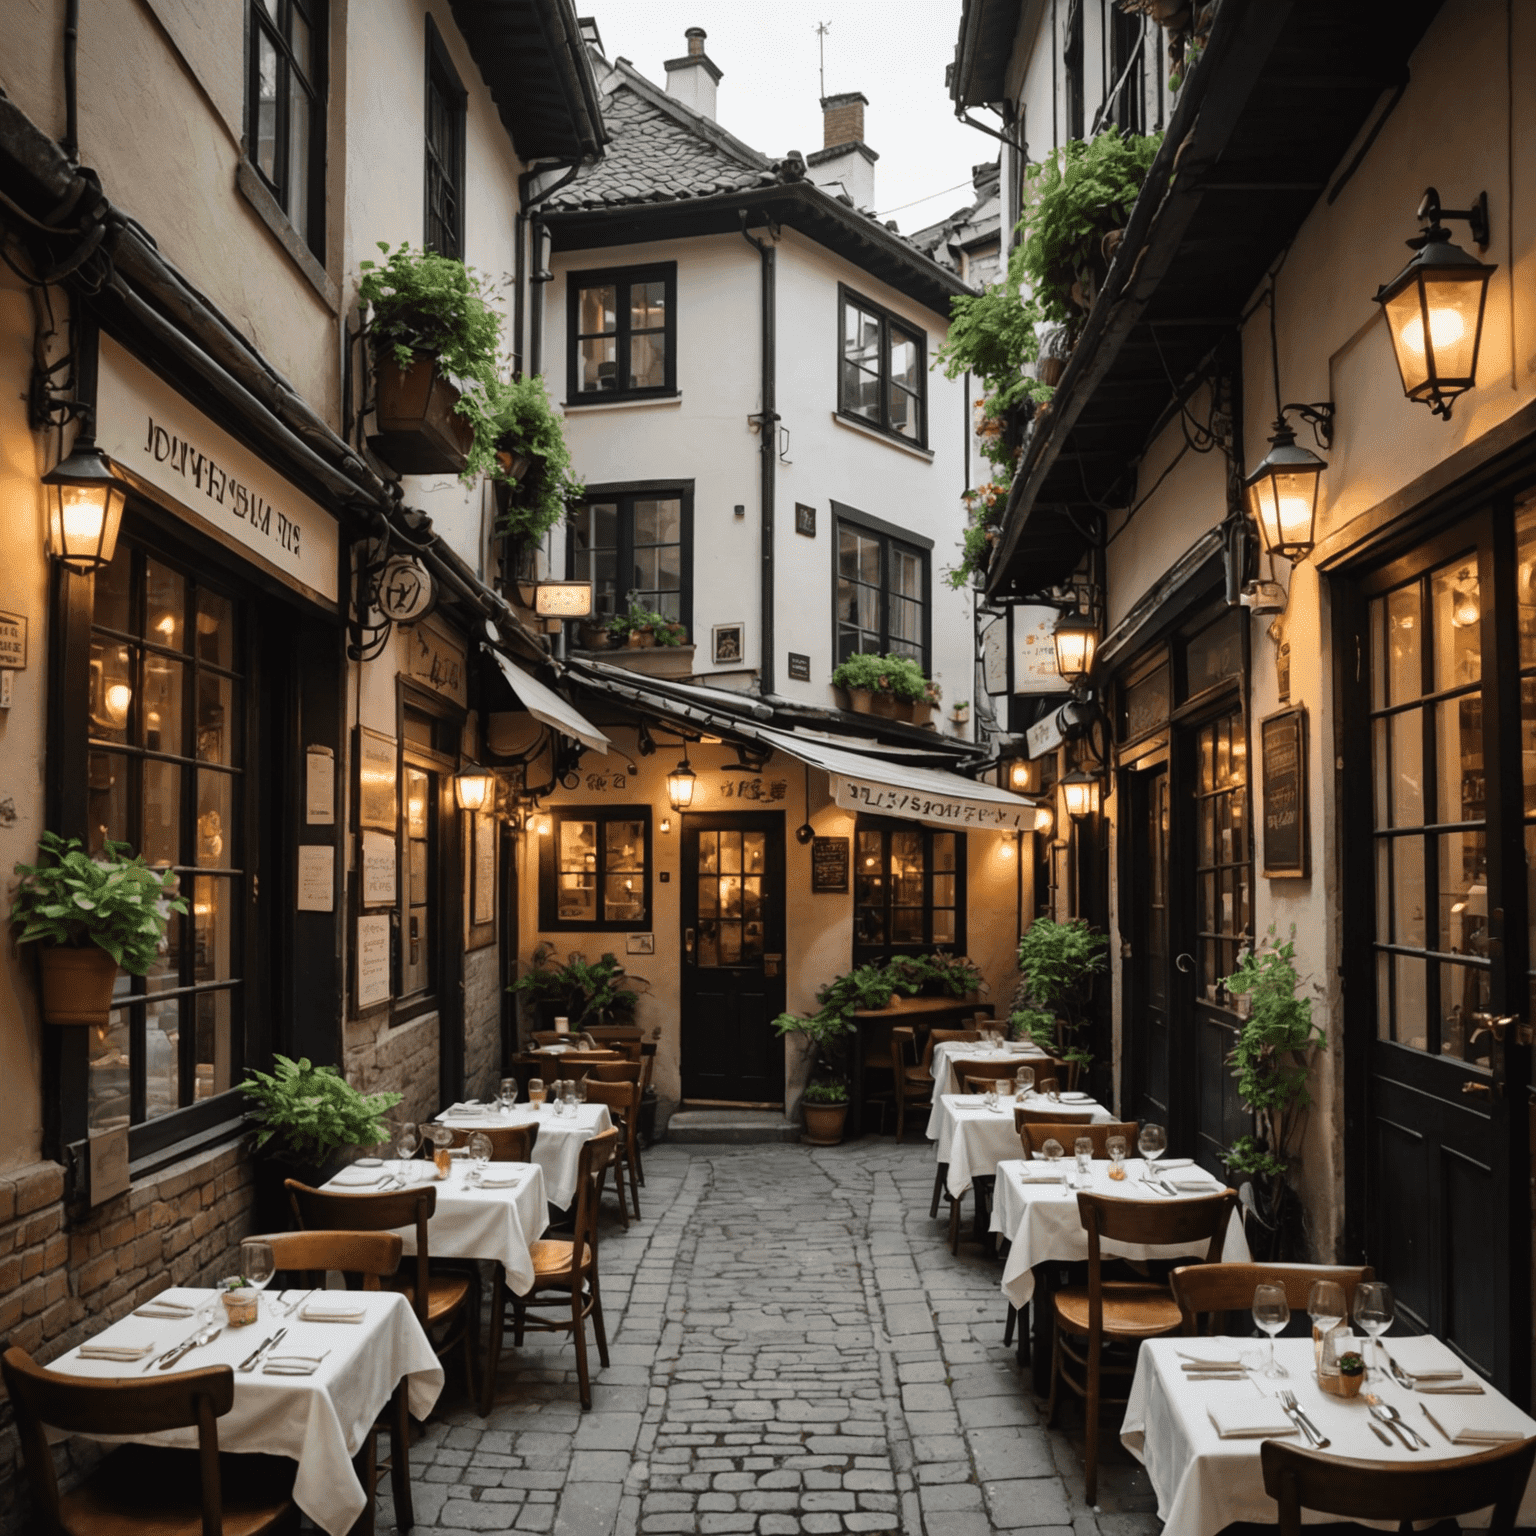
1121	1312
940	1037
372	1257
509	1143
648	1050
1403	1491
914	1081
565	1271
447	1304
1208	1290
145	1489
615	1072
1033	1136
1056	1115
623	1101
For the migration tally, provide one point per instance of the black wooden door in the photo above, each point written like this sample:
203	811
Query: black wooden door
1441	818
732	957
1152	980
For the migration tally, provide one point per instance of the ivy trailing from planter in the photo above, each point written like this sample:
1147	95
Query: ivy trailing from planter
527	426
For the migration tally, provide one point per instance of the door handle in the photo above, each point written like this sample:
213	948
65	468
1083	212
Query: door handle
1477	1090
688	942
1185	963
1495	1025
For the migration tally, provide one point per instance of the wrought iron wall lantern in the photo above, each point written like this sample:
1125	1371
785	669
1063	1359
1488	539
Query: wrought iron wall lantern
1434	306
472	787
1282	492
1045	820
1080	791
85	507
680	784
1077	643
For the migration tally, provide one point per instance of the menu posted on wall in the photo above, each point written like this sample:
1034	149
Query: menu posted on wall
829	864
1283	778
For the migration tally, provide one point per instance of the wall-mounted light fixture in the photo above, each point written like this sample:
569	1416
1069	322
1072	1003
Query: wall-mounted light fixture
1080	790
1434	306
666	825
543	824
1045	820
1077	643
1019	775
472	787
563	599
1282	492
85	507
680	784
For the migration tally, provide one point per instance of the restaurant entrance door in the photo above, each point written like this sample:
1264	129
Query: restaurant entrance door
1439	738
732	957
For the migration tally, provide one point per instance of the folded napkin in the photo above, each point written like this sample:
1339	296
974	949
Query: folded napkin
359	1178
1424	1358
1040	1178
333	1312
1210	1362
1244	1418
124	1349
1491	1423
1163	1164
1197	1186
168	1304
292	1365
501	1180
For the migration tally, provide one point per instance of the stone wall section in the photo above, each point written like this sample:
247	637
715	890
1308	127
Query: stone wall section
403	1059
482	1021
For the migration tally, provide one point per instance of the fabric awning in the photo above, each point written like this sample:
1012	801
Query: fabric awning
545	705
862	782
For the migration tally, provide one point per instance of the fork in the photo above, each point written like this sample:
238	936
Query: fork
1303	1423
1390	1417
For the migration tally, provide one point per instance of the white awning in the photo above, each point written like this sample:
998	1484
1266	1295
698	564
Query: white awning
546	705
861	782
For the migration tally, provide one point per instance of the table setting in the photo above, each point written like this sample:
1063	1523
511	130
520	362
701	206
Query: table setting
311	1376
975	1132
1009	1056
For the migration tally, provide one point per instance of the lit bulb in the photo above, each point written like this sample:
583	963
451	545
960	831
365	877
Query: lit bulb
666	825
1464	612
119	696
1005	849
1446	328
83	510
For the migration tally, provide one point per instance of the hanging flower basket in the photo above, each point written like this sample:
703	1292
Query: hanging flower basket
77	984
420	433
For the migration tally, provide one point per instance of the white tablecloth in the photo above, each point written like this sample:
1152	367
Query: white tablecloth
1020	1053
558	1149
472	1222
1204	1483
318	1421
973	1139
1042	1223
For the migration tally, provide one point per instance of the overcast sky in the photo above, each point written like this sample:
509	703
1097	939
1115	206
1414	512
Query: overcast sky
895	51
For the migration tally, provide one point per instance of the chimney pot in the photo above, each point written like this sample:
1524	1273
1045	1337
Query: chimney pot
693	77
695	36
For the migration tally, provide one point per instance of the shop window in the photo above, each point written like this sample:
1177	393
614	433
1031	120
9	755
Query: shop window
426	764
1223	861
166	774
635	544
595	869
882	372
446	109
285	110
622	333
881	593
909	889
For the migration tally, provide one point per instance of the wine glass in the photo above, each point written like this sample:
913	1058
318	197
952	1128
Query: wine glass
1024	1081
536	1093
506	1094
1152	1143
1271	1311
407	1141
1082	1149
1374	1312
257	1263
480	1150
1115	1147
1326	1308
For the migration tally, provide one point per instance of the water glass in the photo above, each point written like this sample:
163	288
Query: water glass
406	1142
1325	1306
1082	1149
1374	1312
506	1094
257	1263
1152	1143
1271	1311
480	1150
1024	1081
536	1093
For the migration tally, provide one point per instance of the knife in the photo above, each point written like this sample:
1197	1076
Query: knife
207	1336
250	1362
298	1302
185	1344
1301	1413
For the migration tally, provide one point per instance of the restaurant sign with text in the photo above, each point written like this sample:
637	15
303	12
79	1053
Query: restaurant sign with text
853	794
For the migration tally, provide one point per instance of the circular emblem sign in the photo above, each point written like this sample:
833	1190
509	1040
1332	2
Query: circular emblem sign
404	592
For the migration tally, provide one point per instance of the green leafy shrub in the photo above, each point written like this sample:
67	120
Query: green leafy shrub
826	1093
525	423
899	676
587	992
116	902
312	1112
638	620
1057	964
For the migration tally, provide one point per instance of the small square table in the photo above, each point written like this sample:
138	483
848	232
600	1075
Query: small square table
558	1148
974	1139
1016	1054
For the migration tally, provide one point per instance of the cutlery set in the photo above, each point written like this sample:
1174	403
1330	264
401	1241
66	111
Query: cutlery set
1394	1421
1298	1416
206	1331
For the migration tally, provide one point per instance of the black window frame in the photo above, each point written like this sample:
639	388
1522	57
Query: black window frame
622	278
626	493
887	534
1127	41
443	163
919	334
866	953
259	24
550	920
1074	77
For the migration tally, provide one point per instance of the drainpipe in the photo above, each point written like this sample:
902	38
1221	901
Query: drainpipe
767	420
526	201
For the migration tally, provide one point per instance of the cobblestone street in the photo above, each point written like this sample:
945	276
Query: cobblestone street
794	1350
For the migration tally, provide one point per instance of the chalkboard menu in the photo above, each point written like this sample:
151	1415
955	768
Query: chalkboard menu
829	863
1283	767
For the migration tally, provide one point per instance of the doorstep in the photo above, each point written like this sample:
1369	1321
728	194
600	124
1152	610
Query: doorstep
738	1126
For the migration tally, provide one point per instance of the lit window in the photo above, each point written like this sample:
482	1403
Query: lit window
594	869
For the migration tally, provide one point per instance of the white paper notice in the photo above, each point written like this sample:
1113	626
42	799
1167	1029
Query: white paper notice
372	961
319	787
317	878
378	870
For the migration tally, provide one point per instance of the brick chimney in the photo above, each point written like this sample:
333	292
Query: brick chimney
844	163
693	78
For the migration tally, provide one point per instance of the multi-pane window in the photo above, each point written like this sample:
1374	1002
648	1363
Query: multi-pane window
623	332
1126	71
166	775
882	594
731	869
881	371
446	105
633	545
595	868
909	889
425	758
1223	871
285	110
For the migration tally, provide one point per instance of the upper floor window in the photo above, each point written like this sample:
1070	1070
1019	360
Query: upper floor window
634	541
1128	110
882	589
285	110
623	333
882	373
1072	68
446	99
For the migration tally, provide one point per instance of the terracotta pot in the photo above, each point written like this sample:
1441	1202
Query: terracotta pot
887	706
858	700
823	1123
595	637
641	639
420	433
77	984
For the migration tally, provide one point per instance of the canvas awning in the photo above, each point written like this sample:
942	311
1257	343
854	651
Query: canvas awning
545	705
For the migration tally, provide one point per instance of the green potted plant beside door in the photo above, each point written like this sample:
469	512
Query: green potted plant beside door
90	917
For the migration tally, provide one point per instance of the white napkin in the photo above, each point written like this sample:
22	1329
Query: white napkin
1480	1423
502	1180
333	1312
169	1304
1039	1178
1423	1357
293	1365
1244	1418
1213	1361
123	1349
1205	1186
359	1178
1164	1163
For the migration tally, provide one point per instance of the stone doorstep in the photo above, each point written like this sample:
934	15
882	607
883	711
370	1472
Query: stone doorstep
737	1126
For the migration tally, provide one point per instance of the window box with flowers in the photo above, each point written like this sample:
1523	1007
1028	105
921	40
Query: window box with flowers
891	687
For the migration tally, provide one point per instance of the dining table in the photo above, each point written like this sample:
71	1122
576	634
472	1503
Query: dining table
1009	1058
497	1214
1199	1439
313	1397
973	1137
561	1137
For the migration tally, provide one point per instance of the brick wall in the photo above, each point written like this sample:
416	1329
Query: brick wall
482	1021
65	1273
401	1060
842	120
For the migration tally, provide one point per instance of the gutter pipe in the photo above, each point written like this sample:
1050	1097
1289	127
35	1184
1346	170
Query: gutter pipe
767	420
526	201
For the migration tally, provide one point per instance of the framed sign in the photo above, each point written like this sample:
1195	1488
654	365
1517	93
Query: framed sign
377	760
730	642
829	864
994	658
482	871
799	667
805	520
378	870
1032	649
372	961
1283	782
13	642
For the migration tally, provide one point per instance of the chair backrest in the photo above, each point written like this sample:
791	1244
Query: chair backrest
1212	1288
131	1405
614	1072
904	1047
325	1210
582	1058
647	1063
1399	1490
623	1097
597	1153
1024	1118
1034	1135
554	1037
509	1143
369	1254
939	1036
983	1071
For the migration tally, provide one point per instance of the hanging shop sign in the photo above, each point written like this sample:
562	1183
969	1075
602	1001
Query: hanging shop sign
1045	735
439	663
1018	653
1283	776
404	591
179	457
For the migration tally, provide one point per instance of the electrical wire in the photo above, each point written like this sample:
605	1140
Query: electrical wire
916	200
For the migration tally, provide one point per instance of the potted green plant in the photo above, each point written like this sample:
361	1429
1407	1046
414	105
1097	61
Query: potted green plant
893	687
825	1108
241	1299
824	1105
1057	966
585	992
90	917
532	460
1272	1061
960	711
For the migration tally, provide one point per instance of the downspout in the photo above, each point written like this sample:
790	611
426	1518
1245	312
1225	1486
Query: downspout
767	420
527	200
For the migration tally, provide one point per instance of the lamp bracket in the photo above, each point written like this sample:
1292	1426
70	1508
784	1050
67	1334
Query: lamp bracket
1317	414
1431	215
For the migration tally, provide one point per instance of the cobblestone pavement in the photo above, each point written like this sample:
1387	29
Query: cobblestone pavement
794	1349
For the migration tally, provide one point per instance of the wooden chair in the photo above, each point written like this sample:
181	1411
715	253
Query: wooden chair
1055	1115
142	1488
1120	1311
1297	1479
987	1072
372	1256
647	1066
939	1036
987	1083
914	1081
509	1143
1211	1289
615	1072
1035	1135
623	1101
624	1038
448	1301
554	1037
565	1268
